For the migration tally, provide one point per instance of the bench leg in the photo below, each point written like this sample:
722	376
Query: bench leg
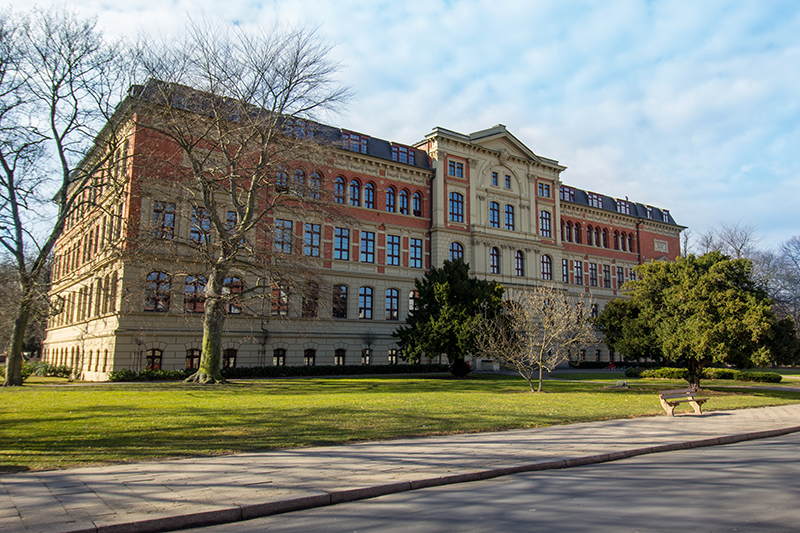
669	408
696	406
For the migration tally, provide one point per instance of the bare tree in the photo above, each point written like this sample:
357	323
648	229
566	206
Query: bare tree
229	109
59	85
538	329
787	295
737	240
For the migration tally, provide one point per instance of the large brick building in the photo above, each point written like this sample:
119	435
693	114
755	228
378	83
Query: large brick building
484	196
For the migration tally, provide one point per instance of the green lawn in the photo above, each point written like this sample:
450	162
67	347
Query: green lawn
791	379
43	427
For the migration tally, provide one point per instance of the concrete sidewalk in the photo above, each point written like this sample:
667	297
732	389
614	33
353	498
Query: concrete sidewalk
169	495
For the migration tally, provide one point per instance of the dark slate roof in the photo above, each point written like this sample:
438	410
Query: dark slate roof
610	204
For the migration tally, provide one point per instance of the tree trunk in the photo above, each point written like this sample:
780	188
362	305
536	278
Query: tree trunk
541	378
694	368
213	320
14	359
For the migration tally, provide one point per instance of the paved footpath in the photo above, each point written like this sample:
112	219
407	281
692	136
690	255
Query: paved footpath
169	495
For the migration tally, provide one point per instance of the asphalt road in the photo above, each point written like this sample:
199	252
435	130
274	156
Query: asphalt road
746	487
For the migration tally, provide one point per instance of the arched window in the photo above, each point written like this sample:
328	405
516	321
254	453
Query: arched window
392	304
365	303
597	237
577	233
153	358
279	357
456	251
194	294
192	358
404	202
281	180
315	185
456	210
299	184
355	193
568	234
547	267
630	243
510	217
369	196
416	204
339	301
229	358
390	200
605	238
339	356
494	260
494	214
589	233
519	263
156	298
624	241
231	287
616	240
545	226
310	357
338	190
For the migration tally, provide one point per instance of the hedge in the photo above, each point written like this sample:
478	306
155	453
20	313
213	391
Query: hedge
39	368
764	377
281	372
665	373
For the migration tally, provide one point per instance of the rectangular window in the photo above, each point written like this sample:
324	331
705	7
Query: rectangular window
392	304
595	200
494	214
456	169
620	277
163	220
365	303
593	274
393	250
310	303
510	217
311	240
354	142
545	226
392	356
341	244
367	247
415	257
494	179
665	215
339	301
283	236
403	154
544	190
508	181
578	272
606	276
280	301
565	270
456	207
624	207
567	193
649	212
200	232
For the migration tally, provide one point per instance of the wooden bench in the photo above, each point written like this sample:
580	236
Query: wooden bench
671	398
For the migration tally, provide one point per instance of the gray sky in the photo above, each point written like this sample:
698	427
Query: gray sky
685	105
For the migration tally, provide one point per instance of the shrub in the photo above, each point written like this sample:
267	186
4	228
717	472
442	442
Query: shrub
633	372
665	373
460	368
764	377
720	373
39	368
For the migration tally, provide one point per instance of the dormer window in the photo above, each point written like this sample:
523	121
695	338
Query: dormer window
403	154
665	215
298	128
624	207
595	200
355	142
649	212
567	193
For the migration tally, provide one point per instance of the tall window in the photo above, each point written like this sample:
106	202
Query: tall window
310	357
494	214
156	296
310	304
606	276
229	358
366	356
508	181
280	301
393	250
565	270
547	267
311	240
593	274
200	230
355	193
578	272
283	236
413	296
623	242
339	356
597	237
519	263
231	287
339	301
390	200
589	233
392	356
365	303
620	277
404	202
279	357
577	233
315	185
545	227
299	185
494	179
630	243
153	358
456	169
281	180
494	261
510	217
456	251
415	255
367	247
392	304
456	207
568	232
605	238
192	358
338	190
369	196
616	240
341	244
163	220
416	204
194	294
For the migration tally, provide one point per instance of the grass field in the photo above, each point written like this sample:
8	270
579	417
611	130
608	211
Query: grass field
44	427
